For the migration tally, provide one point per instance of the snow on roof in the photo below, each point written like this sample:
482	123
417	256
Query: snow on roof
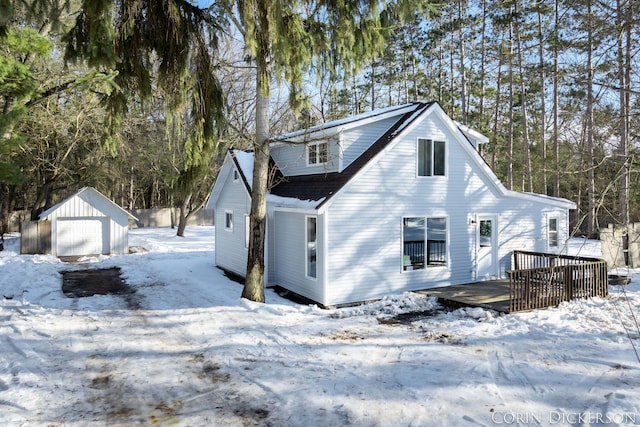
338	125
244	160
410	119
472	134
292	202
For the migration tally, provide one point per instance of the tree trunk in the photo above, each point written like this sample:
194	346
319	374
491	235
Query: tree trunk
183	214
254	281
510	130
591	190
556	102
527	184
43	200
4	209
463	76
624	54
543	102
483	50
496	116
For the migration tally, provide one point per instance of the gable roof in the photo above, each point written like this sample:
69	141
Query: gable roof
336	126
322	187
89	195
235	159
325	186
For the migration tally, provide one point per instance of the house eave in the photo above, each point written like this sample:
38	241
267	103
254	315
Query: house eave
541	198
336	127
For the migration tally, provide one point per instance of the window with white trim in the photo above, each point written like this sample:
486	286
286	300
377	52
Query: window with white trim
424	242
311	247
228	220
552	232
317	153
246	230
431	157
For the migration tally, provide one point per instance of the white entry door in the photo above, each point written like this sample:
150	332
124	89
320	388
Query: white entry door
486	247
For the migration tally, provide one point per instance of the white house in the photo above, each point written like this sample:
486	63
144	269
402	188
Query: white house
87	223
394	200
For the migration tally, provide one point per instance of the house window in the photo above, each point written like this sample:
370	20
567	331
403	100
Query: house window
552	233
317	154
311	247
228	220
431	157
236	175
485	233
246	230
424	242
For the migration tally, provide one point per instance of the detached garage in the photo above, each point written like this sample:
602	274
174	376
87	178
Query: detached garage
87	223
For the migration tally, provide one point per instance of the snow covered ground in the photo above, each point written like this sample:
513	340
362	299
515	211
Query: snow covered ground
194	353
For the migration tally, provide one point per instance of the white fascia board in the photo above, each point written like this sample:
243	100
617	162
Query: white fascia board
274	208
541	198
291	204
335	127
472	134
227	167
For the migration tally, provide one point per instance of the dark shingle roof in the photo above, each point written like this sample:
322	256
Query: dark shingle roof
324	186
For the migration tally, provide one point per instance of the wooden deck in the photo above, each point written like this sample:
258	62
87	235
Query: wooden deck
491	294
539	280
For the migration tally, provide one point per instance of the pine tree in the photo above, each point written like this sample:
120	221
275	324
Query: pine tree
164	44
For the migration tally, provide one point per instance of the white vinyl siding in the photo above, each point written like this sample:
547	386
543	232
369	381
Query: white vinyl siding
365	254
342	150
357	140
292	159
291	254
231	250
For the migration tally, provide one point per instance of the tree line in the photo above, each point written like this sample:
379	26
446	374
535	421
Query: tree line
553	84
142	98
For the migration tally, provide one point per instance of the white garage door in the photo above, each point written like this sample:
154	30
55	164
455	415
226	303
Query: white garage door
79	237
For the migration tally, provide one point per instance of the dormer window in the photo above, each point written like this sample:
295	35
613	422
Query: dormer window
317	154
431	157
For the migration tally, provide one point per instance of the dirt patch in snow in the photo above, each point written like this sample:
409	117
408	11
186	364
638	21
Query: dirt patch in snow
103	281
414	316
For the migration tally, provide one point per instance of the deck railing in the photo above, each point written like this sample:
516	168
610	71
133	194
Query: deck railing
542	280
